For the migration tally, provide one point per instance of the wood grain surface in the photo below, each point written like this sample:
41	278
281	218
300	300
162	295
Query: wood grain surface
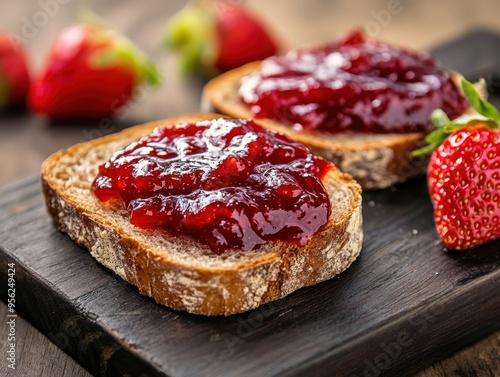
404	304
420	24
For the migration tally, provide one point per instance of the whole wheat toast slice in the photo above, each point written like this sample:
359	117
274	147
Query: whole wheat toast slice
179	272
376	161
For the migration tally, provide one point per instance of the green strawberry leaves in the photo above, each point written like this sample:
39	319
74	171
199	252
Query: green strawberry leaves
487	116
123	52
436	137
120	51
191	32
483	107
152	75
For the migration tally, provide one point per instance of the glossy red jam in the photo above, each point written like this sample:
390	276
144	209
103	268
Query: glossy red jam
229	184
358	85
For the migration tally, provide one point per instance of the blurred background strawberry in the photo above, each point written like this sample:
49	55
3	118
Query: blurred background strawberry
91	72
14	75
216	36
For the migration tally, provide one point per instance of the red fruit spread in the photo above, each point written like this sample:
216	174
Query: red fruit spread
357	84
228	184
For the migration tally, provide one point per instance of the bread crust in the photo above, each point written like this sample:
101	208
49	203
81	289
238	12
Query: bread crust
376	161
179	272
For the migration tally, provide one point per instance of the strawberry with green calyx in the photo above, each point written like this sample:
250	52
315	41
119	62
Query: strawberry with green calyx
91	72
464	174
217	36
14	75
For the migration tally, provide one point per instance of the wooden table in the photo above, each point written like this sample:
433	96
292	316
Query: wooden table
25	140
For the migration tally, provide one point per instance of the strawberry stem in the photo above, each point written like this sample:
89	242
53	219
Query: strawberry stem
439	118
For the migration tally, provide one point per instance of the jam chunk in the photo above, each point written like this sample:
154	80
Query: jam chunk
357	85
228	184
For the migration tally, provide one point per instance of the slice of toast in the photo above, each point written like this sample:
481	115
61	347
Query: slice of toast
179	272
376	161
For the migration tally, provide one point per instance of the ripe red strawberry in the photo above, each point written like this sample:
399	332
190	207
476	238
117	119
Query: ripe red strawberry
217	36
91	72
14	76
464	183
464	175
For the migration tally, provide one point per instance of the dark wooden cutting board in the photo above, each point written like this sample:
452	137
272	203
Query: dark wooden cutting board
404	304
